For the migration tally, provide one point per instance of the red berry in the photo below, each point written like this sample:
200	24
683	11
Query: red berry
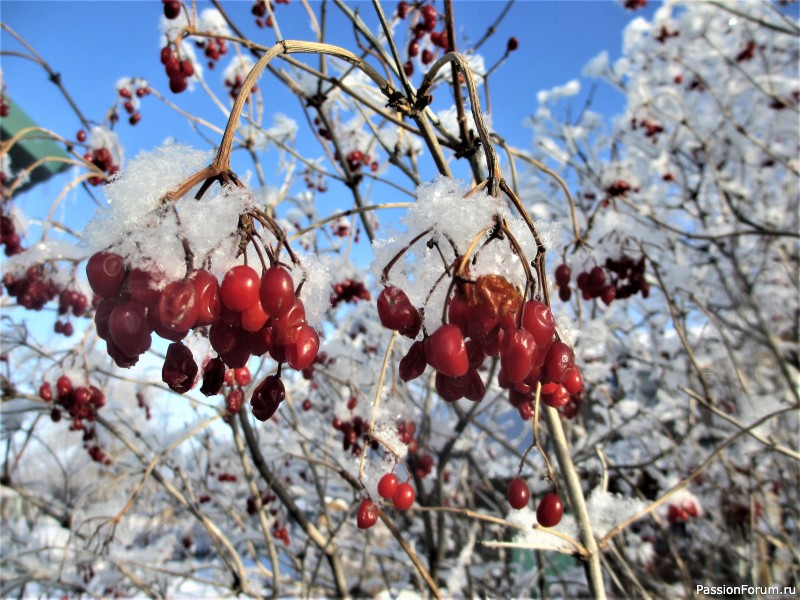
105	271
387	485
367	514
427	57
242	376
538	319
240	288
404	496
180	370
559	358
518	493
209	304
267	397
413	364
550	510
172	8
563	273
396	312
512	44
557	395
287	327
276	291
129	329
46	391
178	307
516	354
81	135
254	318
213	377
573	381
446	352
302	353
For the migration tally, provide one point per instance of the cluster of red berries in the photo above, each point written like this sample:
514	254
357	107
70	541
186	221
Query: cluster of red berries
104	161
137	88
5	109
651	128
619	187
235	86
420	464
349	290
424	27
214	49
34	290
402	496
356	159
178	71
682	511
315	180
81	403
9	236
259	11
625	278
247	314
550	508
352	431
487	317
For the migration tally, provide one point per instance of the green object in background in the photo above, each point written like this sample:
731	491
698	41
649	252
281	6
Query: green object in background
34	146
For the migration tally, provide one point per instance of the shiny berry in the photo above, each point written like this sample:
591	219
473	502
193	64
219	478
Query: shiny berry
550	510
387	485
404	496
240	288
367	514
518	493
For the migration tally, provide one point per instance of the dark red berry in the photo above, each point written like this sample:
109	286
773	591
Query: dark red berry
518	493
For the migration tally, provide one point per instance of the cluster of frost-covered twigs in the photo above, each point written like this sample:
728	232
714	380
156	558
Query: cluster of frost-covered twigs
224	409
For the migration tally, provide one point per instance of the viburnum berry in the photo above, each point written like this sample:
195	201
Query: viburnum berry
303	351
518	493
209	304
563	274
46	391
267	397
446	352
516	354
178	307
213	377
367	514
538	319
413	364
573	381
387	485
128	328
397	313
555	395
180	370
240	288
276	291
172	8
550	510
404	496
105	271
559	358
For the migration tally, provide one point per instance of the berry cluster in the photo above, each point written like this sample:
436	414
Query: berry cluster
178	71
130	91
349	290
682	511
103	159
621	278
247	314
214	49
423	34
352	431
259	11
81	403
315	180
487	317
9	236
402	496
35	289
5	109
234	85
550	509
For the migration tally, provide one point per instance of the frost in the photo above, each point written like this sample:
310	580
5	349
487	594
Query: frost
598	66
